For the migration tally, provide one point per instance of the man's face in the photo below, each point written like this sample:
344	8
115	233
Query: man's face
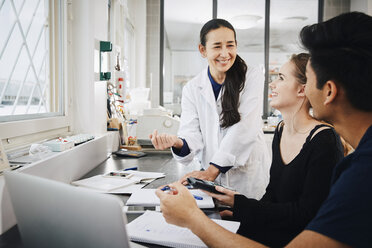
314	94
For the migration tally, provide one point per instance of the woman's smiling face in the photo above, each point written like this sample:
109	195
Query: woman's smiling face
220	50
285	89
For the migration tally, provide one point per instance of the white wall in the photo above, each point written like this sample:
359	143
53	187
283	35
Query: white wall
187	63
359	5
153	50
364	6
168	85
89	100
139	16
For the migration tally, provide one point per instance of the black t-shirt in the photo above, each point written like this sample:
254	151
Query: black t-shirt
346	214
295	192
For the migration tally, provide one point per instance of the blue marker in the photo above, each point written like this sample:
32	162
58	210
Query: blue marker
166	187
197	197
132	168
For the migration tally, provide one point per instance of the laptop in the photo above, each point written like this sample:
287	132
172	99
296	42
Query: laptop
55	214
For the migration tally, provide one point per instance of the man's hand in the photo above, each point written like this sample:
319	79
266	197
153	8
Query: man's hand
164	141
210	175
178	206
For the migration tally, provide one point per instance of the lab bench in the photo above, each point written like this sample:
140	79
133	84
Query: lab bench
155	161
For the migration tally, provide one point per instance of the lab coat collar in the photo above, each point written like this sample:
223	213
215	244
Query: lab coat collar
206	89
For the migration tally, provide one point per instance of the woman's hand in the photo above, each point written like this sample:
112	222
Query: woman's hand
226	214
210	175
178	206
164	141
227	198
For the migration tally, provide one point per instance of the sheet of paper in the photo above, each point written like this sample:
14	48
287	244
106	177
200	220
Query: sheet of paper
138	176
104	183
130	189
4	163
146	174
151	227
147	197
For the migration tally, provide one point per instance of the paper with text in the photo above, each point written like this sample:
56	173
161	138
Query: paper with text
147	197
151	227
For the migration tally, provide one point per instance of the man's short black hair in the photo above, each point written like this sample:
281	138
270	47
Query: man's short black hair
341	50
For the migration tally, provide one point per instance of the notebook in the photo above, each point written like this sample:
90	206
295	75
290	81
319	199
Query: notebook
104	184
151	227
58	215
147	197
116	184
138	176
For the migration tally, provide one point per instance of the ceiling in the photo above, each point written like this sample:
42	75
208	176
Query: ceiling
184	19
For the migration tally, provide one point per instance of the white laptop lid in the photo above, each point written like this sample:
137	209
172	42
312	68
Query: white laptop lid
55	214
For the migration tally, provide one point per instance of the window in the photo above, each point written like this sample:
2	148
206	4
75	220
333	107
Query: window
287	18
31	67
248	19
182	21
259	44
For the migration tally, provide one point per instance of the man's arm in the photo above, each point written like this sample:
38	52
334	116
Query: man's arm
179	208
313	239
213	235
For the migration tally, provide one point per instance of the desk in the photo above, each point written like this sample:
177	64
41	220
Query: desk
154	162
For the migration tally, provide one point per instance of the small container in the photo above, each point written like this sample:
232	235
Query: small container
59	145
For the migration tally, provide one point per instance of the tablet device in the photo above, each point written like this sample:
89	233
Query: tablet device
131	154
197	183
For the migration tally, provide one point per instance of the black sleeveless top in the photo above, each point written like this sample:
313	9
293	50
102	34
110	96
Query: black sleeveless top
295	191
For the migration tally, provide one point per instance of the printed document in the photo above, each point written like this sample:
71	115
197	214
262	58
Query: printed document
151	227
147	197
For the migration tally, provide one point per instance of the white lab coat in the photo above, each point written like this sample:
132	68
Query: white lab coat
241	145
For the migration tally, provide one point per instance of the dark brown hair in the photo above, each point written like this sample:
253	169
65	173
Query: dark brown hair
235	77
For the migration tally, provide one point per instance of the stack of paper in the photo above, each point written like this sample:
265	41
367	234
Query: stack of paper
151	227
103	183
147	197
124	182
138	176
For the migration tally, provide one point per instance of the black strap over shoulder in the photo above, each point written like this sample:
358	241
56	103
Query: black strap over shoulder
314	130
279	127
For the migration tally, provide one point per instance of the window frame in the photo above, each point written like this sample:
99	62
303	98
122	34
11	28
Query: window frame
22	129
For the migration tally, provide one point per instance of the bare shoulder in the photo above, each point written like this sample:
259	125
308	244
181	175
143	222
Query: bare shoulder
313	239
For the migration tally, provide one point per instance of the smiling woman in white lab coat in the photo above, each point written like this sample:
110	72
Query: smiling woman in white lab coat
221	124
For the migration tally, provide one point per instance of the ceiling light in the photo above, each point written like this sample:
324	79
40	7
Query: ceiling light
245	21
294	19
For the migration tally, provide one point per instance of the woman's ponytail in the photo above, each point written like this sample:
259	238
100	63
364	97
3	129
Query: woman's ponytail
234	84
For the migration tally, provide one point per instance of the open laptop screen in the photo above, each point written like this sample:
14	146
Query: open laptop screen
55	214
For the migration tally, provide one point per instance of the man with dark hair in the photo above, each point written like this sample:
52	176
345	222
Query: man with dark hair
339	87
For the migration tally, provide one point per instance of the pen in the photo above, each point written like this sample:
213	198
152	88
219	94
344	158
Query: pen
166	187
117	174
197	197
132	168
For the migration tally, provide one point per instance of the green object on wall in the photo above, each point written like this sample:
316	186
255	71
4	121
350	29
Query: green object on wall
104	46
